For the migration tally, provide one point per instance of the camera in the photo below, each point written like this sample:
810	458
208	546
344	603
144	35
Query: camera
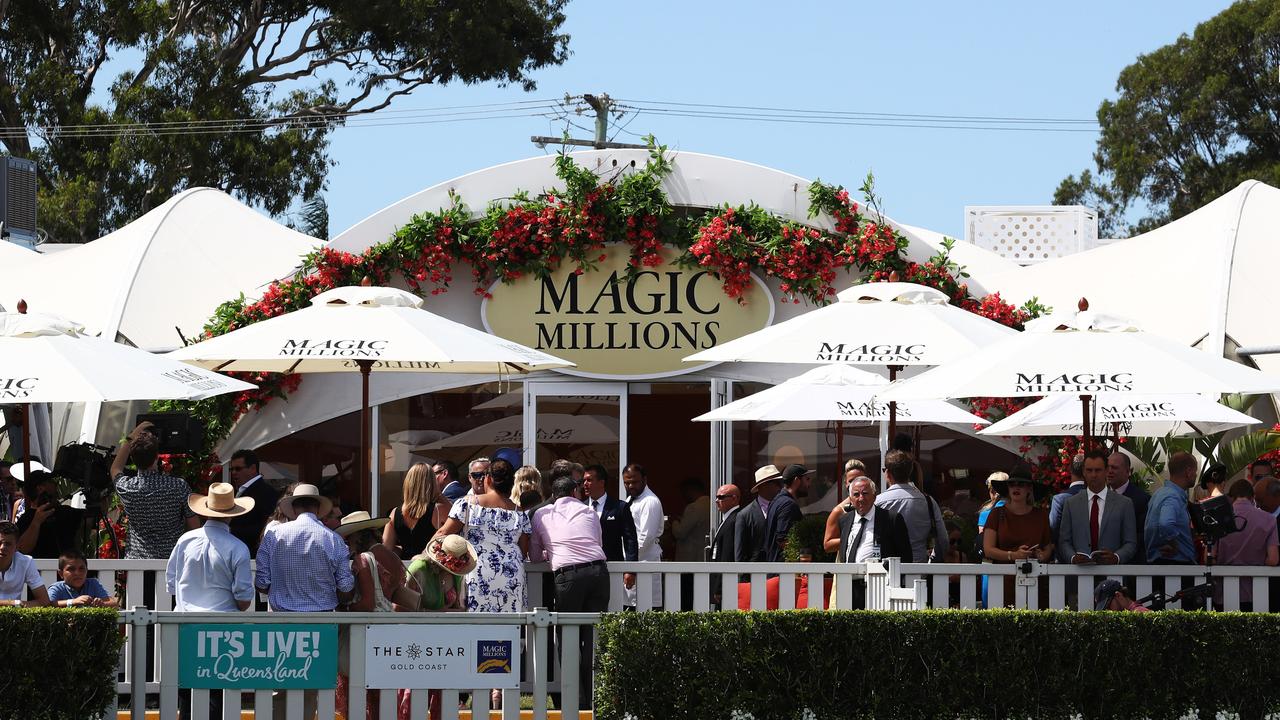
1214	518
86	464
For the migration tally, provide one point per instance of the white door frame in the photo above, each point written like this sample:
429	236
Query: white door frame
535	388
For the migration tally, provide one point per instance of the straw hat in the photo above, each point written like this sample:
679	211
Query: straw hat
221	502
766	474
453	553
305	490
357	521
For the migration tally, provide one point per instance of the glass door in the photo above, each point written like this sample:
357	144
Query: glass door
585	422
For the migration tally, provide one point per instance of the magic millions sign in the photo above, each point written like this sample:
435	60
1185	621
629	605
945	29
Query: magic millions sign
615	326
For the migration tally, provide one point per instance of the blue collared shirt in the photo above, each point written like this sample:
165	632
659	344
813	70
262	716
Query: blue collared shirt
305	565
1168	522
209	570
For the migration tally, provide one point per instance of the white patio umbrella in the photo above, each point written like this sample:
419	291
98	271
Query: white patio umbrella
48	359
1081	355
890	324
1123	414
553	428
362	329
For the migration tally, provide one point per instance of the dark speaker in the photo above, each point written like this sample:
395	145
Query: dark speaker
178	431
18	198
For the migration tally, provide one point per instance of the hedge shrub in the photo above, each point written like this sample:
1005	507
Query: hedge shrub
936	664
57	664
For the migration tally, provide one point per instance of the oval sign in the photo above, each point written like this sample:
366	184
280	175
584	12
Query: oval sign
612	327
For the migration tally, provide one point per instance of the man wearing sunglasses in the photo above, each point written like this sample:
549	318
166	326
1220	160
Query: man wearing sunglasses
728	498
476	472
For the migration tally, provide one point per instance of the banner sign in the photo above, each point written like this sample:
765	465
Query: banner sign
458	657
258	657
617	321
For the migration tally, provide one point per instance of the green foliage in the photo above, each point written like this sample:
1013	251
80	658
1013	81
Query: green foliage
935	664
805	538
60	664
252	76
1194	118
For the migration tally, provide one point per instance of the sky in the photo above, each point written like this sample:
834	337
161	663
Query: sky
996	58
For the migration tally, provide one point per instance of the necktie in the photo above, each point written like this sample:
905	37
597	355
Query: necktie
595	505
852	555
1093	525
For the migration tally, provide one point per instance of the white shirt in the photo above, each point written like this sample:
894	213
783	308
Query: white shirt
1122	488
21	574
863	551
646	510
1102	504
209	570
598	504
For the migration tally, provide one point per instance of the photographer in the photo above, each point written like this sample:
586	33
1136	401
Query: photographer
155	503
47	527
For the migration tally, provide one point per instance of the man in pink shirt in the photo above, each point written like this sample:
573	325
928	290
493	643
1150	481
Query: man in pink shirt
1255	543
566	533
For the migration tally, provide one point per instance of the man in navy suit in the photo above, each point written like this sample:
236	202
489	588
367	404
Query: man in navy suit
728	498
870	532
250	483
1077	484
1119	471
764	523
617	527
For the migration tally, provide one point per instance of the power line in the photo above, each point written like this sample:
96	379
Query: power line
963	124
858	114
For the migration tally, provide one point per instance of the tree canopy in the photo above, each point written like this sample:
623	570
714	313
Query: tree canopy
241	96
1191	121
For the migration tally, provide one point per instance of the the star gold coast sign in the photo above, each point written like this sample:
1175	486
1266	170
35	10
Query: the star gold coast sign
616	327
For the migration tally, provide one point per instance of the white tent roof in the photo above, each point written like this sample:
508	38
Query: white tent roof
169	268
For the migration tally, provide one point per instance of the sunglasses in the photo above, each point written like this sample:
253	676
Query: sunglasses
478	475
724	497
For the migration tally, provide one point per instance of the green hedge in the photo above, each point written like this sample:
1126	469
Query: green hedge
57	664
936	664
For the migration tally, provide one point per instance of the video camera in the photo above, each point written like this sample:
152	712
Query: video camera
1213	518
86	464
1158	600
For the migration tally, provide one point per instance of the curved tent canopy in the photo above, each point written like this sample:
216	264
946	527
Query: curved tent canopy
162	274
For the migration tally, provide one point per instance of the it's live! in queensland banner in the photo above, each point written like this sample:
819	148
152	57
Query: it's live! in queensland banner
256	657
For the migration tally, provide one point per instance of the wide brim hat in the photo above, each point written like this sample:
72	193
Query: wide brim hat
221	502
1039	490
20	475
766	474
447	552
304	490
357	521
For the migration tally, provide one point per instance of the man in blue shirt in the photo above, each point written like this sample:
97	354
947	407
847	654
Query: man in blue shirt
1168	526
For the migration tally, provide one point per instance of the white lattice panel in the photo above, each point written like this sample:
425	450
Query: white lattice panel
1032	234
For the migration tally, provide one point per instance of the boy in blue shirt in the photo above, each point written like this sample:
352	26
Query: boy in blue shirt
76	587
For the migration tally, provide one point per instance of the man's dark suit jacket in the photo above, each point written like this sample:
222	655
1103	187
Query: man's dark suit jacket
248	527
757	539
1140	499
889	532
722	542
618	531
1055	508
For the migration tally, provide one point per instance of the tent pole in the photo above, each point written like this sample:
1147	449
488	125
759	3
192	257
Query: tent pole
363	466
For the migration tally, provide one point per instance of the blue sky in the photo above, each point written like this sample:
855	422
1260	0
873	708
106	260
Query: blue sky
998	58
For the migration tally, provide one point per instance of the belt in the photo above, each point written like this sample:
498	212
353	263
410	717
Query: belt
579	566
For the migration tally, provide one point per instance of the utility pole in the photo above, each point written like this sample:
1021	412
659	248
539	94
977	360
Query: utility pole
602	105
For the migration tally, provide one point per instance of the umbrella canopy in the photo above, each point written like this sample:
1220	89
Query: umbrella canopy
345	326
1088	355
879	323
47	359
553	428
835	393
361	329
1124	414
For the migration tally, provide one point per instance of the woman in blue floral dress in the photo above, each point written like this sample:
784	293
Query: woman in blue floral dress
500	534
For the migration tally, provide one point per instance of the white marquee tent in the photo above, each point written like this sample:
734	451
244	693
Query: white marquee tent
162	274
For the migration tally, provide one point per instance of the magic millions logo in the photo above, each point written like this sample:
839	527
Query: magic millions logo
493	656
870	354
1083	383
17	388
333	348
1137	411
618	321
870	410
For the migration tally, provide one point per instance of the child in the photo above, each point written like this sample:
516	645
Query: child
76	588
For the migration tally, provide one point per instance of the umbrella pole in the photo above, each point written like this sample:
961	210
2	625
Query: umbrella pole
893	406
1087	429
363	465
839	460
26	419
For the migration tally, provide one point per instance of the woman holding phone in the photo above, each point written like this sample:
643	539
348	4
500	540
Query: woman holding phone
1018	530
